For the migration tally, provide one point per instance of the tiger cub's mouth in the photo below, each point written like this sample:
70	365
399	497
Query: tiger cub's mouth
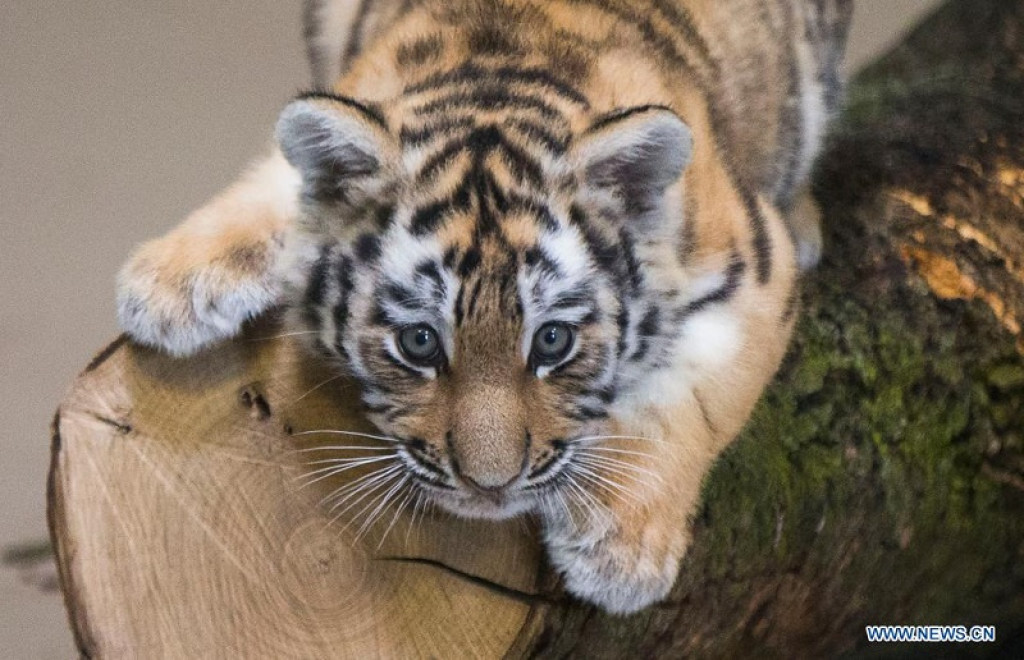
536	486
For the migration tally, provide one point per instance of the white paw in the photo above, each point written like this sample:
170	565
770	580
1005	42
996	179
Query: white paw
179	305
619	575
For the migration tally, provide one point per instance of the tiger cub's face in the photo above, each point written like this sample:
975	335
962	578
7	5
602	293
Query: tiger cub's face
487	280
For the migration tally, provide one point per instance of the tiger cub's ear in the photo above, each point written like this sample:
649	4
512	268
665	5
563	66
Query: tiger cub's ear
635	155
342	148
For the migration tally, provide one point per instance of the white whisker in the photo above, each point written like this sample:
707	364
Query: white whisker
316	387
417	507
354	461
598	438
335	469
619	467
381	479
589	503
399	508
356	434
613	450
359	485
608	485
340	448
381	508
286	334
560	500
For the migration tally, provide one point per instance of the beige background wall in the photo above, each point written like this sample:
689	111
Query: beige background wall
116	118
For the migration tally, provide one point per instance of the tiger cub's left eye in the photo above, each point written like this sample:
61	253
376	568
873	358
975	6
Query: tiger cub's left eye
420	344
552	343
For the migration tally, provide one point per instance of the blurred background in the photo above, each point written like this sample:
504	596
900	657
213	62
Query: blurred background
116	119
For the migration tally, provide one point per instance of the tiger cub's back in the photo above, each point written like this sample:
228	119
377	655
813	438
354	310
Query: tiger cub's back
770	69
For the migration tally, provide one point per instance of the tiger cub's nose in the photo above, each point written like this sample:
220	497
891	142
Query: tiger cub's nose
487	441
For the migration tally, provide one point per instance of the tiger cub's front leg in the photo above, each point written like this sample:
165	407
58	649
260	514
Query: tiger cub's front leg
621	547
200	282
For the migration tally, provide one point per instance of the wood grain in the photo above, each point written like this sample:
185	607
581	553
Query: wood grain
184	526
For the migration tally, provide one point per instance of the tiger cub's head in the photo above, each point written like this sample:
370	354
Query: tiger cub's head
495	281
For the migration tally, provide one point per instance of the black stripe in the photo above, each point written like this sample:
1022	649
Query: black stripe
419	51
355	35
474	297
372	113
762	243
481	142
486	39
367	248
488	99
636	276
398	364
682	20
557	145
521	164
428	218
449	257
316	286
733	279
345	288
460	312
650	324
470	262
619	115
401	295
516	203
538	258
470	73
622	323
414	137
607	255
430	270
646	330
441	159
665	45
383	217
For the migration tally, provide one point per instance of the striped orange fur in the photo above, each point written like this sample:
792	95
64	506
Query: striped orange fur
555	242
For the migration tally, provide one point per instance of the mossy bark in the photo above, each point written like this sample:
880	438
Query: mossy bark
881	479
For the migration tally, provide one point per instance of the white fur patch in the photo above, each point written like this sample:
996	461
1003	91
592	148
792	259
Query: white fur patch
710	342
812	107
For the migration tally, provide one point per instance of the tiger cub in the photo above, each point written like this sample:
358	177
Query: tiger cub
554	241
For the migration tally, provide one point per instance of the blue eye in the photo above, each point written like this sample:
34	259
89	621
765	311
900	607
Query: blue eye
552	343
420	344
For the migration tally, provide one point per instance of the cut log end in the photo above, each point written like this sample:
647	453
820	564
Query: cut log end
190	495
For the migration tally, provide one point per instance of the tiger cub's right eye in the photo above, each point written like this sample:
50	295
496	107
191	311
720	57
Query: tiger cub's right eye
420	344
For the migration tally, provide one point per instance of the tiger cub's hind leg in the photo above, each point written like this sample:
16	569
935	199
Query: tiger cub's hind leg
804	221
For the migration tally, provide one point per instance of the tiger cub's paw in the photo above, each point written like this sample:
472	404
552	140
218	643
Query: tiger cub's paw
622	571
182	293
